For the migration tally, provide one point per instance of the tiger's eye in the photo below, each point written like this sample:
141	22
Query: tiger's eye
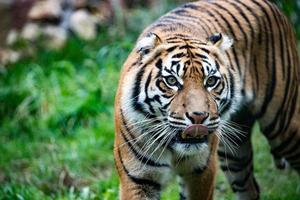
171	80
212	81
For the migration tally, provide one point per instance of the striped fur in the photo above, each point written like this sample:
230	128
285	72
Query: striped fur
183	71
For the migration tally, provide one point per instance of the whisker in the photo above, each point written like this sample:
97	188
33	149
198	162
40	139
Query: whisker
152	128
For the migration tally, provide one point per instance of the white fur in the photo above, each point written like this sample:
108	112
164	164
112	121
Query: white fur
147	42
226	43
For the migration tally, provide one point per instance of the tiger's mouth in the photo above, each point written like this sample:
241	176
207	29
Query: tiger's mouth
195	133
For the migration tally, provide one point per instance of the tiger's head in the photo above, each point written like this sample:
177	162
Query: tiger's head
183	84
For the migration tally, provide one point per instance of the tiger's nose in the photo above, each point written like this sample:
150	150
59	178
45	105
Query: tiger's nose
197	117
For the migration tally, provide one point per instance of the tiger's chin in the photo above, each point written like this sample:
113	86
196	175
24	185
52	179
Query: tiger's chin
192	140
190	149
189	146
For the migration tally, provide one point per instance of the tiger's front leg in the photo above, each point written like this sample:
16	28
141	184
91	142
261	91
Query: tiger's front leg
200	185
237	164
136	190
135	185
140	177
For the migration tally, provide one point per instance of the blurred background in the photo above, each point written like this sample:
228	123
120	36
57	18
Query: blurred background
59	69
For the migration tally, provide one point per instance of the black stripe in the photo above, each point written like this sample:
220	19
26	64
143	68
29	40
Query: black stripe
205	61
174	63
230	61
186	47
147	99
158	64
173	115
214	118
253	13
238	167
239	185
157	83
293	158
236	21
224	155
256	89
289	76
249	25
193	19
177	123
167	96
293	148
284	105
290	106
244	16
217	65
167	70
198	62
293	104
201	56
143	159
232	93
173	38
137	180
160	24
157	99
179	11
171	49
177	69
209	24
272	81
134	64
276	14
278	150
230	28
213	124
166	105
191	6
178	55
174	26
205	50
136	92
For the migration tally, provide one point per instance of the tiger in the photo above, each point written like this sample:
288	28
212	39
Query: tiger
195	83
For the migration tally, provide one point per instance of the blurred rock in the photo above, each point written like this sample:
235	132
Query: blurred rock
52	21
54	36
47	9
8	56
84	25
12	37
31	32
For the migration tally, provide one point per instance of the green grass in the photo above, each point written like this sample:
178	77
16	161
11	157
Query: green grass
56	131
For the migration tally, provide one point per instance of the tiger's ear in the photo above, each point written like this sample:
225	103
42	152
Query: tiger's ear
223	42
147	43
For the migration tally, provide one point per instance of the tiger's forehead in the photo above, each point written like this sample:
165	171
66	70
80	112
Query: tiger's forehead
185	58
182	38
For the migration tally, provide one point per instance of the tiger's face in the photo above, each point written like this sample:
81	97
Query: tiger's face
183	84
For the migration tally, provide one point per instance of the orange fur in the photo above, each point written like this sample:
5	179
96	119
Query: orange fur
255	79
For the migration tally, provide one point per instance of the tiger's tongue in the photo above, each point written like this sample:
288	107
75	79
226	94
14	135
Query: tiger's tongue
195	131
